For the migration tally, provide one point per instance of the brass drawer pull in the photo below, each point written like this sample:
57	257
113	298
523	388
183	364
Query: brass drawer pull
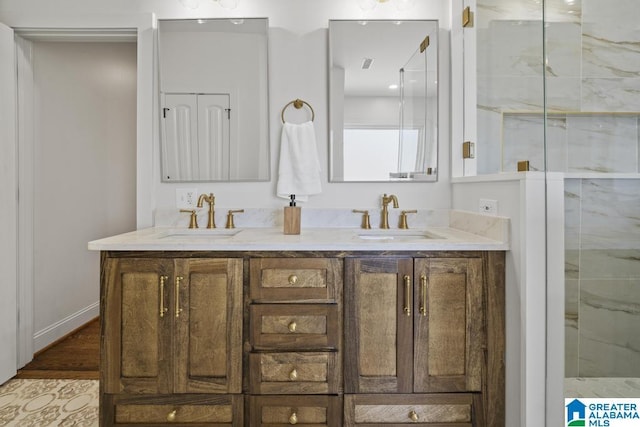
423	302
293	419
178	309
163	309
413	416
292	326
171	416
293	375
293	279
407	293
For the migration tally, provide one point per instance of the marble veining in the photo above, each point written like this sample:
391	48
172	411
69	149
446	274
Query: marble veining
602	143
602	387
602	277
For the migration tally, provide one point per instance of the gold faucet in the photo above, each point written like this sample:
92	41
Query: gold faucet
384	220
211	223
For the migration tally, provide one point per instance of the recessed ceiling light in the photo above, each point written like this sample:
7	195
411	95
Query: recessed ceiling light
393	86
236	21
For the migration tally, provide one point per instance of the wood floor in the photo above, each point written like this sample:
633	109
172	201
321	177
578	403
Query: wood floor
77	356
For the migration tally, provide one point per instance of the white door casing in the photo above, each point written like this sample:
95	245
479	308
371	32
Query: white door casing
8	205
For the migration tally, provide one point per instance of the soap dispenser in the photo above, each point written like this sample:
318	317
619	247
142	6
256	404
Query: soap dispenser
292	217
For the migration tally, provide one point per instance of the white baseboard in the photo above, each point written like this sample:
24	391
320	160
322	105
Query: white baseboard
54	332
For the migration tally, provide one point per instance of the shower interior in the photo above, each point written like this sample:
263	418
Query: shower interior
557	85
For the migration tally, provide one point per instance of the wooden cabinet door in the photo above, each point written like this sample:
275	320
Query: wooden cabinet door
449	325
378	331
136	330
208	340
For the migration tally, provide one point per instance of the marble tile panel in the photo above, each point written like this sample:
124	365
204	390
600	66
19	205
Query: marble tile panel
611	39
571	322
617	95
511	48
609	345
602	143
611	220
523	139
510	93
563	41
572	213
563	94
571	264
609	264
556	10
602	387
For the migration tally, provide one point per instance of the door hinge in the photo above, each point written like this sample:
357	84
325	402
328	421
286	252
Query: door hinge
228	110
424	45
164	112
467	17
468	150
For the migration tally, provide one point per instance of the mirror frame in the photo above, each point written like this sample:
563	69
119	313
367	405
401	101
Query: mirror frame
197	83
431	116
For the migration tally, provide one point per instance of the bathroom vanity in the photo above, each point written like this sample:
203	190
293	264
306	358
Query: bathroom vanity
331	327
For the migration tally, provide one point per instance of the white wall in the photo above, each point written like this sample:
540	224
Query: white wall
84	174
298	68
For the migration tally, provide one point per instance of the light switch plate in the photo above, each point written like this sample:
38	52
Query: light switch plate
186	198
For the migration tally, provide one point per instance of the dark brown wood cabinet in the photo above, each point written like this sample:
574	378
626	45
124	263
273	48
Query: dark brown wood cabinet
171	332
422	325
311	338
295	370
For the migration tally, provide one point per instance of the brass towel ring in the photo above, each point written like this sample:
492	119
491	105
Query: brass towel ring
298	104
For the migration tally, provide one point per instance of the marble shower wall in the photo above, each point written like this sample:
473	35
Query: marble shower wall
602	277
592	67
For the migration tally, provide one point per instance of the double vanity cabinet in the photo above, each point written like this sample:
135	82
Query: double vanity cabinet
314	338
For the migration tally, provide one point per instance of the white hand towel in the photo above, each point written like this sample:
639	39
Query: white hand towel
299	169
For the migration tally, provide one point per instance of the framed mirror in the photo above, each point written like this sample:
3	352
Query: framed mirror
214	99
383	99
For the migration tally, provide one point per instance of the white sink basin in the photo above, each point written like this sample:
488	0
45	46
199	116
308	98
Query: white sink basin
201	233
397	235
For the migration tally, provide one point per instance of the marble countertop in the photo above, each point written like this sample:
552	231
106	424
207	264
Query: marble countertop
466	231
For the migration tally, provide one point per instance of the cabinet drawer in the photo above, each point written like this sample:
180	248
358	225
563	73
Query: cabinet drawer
294	373
175	410
453	410
294	326
295	279
303	410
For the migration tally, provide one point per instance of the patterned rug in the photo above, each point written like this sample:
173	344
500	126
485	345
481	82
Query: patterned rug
41	403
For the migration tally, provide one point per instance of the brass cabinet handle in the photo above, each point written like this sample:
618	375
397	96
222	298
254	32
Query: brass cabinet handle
178	309
413	416
171	416
292	326
423	302
407	293
293	419
293	375
293	279
163	309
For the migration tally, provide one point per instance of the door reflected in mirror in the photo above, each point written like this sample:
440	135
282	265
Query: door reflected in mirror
214	100
383	100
